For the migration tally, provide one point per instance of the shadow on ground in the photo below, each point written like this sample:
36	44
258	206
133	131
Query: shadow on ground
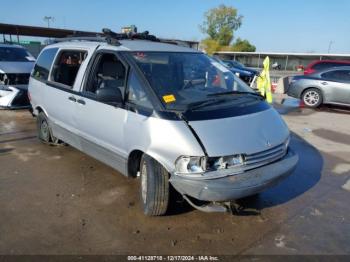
306	176
292	106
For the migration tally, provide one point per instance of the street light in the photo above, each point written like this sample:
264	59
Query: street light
48	19
330	45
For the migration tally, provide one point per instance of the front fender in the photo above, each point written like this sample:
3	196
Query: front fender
164	140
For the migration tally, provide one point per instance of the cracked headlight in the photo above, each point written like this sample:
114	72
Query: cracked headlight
198	165
225	162
190	165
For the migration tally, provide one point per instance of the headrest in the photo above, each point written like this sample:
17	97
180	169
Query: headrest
113	69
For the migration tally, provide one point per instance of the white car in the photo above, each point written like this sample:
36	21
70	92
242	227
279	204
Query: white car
168	113
16	63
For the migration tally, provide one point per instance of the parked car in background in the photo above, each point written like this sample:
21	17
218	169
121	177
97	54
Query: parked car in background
245	73
166	113
321	65
16	63
330	86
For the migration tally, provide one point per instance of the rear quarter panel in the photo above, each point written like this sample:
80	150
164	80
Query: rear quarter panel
297	88
36	90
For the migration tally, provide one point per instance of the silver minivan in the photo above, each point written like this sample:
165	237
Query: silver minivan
166	113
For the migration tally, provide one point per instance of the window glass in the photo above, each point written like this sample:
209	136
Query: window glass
321	66
67	66
325	65
182	80
338	75
15	54
109	73
136	92
43	64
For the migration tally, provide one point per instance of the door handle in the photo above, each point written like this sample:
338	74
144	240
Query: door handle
72	98
81	101
324	83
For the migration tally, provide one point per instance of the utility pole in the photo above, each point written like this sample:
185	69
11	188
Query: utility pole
329	46
48	19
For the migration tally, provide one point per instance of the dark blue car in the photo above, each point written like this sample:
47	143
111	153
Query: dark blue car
246	74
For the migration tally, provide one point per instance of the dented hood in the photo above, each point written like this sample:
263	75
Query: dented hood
245	134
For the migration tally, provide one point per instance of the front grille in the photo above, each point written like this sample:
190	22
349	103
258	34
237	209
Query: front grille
15	79
266	156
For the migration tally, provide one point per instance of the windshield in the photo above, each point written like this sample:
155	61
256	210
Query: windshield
184	79
15	54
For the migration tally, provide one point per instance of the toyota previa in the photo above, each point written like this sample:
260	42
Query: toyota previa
165	113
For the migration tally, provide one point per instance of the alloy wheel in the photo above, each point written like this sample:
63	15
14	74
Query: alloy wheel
311	98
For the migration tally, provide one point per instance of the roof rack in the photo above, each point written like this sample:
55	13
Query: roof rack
110	37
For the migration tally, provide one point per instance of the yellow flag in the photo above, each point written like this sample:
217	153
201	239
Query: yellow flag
264	82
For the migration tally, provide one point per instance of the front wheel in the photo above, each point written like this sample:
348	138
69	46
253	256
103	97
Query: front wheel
312	97
154	187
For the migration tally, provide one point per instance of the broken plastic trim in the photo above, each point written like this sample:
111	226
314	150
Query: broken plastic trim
210	207
232	207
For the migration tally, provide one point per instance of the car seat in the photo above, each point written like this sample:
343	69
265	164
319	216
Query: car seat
112	75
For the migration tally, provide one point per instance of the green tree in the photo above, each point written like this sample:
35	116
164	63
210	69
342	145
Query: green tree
210	45
243	46
220	24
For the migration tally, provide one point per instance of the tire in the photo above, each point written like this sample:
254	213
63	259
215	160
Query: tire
312	97
154	187
44	130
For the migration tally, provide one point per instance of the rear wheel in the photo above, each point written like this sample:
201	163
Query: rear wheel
312	97
44	130
154	187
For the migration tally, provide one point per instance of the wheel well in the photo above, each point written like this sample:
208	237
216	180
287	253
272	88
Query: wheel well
39	109
134	163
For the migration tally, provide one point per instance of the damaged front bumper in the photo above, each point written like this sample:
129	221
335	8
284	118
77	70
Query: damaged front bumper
238	185
14	96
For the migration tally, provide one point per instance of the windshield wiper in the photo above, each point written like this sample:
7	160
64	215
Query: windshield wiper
193	82
237	92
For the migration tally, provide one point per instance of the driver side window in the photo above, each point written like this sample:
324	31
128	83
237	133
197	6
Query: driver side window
109	73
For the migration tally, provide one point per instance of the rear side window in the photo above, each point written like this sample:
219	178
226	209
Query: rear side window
325	65
321	66
338	75
43	64
67	66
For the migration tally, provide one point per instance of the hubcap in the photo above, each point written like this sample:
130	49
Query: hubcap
311	98
144	182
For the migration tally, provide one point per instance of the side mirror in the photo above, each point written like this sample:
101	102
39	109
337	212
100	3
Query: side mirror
109	95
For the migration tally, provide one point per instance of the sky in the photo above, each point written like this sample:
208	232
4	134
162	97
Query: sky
271	25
